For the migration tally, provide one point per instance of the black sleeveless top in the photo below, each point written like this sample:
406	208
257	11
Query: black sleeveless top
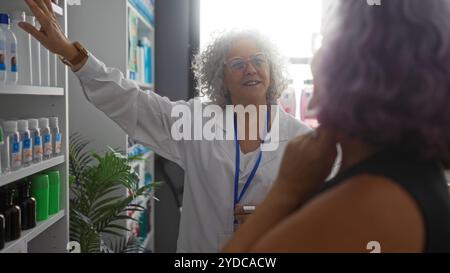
424	180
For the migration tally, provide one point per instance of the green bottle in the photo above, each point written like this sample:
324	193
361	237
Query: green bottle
54	191
40	191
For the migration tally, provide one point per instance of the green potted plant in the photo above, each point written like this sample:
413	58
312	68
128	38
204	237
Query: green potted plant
95	211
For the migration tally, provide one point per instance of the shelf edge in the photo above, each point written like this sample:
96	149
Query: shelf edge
30	170
28	235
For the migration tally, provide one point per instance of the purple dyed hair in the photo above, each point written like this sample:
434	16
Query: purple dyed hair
383	74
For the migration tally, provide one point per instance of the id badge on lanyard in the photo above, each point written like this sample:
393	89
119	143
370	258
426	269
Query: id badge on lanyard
238	196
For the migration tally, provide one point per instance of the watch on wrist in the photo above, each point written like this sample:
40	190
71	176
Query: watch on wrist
82	54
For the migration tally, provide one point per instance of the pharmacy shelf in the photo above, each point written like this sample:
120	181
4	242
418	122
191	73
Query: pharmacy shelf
28	235
31	90
144	20
30	170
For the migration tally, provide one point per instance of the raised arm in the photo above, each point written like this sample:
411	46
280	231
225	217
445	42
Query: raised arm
145	117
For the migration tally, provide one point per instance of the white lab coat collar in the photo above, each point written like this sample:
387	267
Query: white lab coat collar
223	123
228	147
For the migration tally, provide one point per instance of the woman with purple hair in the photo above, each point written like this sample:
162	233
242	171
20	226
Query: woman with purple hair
382	81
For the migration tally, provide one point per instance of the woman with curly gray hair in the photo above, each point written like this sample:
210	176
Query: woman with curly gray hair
212	75
237	69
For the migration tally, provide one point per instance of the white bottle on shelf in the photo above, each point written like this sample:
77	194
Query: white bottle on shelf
6	162
15	147
25	138
2	57
23	48
47	138
35	55
11	50
54	70
56	135
36	136
45	62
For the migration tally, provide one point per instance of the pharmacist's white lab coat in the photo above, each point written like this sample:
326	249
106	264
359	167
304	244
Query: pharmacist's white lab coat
207	214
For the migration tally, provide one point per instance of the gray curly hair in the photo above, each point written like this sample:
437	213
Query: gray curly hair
208	67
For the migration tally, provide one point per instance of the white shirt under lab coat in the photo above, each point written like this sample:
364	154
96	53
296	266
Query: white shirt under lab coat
207	212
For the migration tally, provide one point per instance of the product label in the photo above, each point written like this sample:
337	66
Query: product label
16	147
27	151
14	58
37	141
58	139
38	151
16	156
2	56
48	150
13	64
2	62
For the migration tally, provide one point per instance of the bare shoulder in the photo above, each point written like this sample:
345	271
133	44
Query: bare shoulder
348	217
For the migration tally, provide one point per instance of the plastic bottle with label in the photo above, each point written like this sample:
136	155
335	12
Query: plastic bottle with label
2	58
27	205
35	55
6	162
46	137
35	131
14	144
11	213
56	135
25	138
40	191
11	50
54	61
45	62
23	48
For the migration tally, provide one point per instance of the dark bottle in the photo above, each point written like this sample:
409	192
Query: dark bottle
2	231
11	213
27	205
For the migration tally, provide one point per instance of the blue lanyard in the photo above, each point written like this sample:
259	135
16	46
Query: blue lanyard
237	196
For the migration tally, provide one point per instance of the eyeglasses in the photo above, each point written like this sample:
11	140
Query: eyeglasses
259	61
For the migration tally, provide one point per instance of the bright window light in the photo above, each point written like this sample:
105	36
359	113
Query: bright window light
291	24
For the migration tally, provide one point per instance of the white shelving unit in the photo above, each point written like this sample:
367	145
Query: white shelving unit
86	22
18	102
31	90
